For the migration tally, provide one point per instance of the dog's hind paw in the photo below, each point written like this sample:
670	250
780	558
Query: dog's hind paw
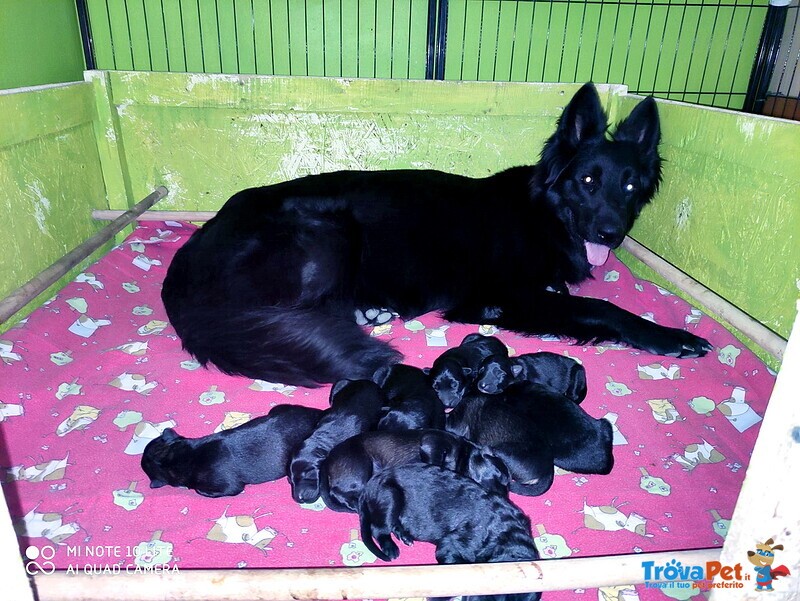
374	316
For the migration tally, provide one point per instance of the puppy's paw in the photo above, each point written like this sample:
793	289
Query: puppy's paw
388	547
403	535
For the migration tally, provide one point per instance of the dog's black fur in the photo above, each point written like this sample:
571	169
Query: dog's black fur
351	464
556	372
531	428
454	370
221	464
356	406
268	288
473	526
413	404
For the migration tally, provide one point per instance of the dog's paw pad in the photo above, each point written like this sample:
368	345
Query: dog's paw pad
375	316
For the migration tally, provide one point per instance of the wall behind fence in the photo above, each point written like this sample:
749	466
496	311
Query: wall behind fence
39	43
693	50
50	178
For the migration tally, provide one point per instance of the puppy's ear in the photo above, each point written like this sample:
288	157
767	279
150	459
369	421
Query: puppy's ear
426	371
381	375
516	370
642	127
583	119
336	388
157	483
168	435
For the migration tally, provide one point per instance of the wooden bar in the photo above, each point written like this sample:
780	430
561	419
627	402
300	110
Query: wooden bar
767	506
757	332
34	287
108	215
360	583
760	334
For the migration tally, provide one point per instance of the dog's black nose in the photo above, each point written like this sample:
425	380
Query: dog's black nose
608	236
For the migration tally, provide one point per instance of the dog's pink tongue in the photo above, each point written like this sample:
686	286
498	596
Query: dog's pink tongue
596	253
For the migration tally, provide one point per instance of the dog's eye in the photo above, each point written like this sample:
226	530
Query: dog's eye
629	187
587	179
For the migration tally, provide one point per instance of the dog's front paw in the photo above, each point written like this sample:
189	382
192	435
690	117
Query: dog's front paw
674	342
403	534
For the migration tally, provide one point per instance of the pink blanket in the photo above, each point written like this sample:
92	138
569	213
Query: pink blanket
97	372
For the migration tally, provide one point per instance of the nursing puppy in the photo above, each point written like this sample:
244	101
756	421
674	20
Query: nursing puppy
351	464
472	526
556	372
413	404
455	369
355	408
221	464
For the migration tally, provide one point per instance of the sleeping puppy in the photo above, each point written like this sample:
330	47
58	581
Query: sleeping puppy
413	404
355	408
455	369
470	526
490	421
351	464
221	464
531	428
579	442
556	372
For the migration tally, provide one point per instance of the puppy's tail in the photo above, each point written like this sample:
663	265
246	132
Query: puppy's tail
290	345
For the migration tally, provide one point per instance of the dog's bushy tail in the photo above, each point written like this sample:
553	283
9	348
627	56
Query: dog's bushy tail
288	345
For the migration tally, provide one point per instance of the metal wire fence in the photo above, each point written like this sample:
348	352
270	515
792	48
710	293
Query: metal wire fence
700	51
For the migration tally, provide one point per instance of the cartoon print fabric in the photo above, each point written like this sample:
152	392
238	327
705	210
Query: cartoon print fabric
97	372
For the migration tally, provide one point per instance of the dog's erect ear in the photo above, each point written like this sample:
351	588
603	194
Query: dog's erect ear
583	118
642	126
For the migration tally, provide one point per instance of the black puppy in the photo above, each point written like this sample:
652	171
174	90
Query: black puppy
556	372
413	404
427	503
455	369
355	408
490	421
221	464
351	464
531	428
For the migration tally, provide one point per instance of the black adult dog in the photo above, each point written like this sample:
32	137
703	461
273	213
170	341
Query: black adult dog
473	526
269	287
222	463
355	408
351	464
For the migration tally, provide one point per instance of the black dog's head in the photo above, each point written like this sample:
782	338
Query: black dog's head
597	185
449	378
158	460
496	373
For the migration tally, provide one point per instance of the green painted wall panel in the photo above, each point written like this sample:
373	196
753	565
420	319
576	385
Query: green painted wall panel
728	211
50	180
205	136
40	43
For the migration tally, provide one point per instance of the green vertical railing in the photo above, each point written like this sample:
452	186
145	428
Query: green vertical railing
697	51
